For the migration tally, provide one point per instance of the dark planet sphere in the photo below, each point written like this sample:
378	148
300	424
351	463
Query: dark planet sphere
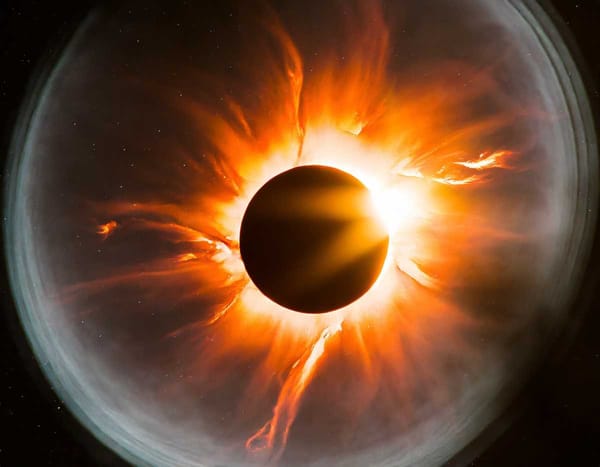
310	239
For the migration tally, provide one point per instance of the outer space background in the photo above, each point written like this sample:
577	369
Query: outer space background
558	411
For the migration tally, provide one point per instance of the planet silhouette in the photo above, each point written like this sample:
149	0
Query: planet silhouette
291	234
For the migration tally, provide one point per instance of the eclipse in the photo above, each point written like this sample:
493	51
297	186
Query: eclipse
310	239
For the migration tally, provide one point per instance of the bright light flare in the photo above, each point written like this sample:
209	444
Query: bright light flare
104	230
488	160
398	206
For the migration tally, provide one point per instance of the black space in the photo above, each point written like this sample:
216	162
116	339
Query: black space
558	422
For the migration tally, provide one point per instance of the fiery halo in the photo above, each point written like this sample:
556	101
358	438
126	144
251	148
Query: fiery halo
353	118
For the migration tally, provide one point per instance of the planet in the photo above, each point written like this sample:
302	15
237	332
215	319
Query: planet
310	239
178	278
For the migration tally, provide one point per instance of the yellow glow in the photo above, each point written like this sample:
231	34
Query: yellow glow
397	206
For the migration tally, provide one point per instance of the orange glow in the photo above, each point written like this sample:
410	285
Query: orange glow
288	401
412	144
487	161
186	257
104	230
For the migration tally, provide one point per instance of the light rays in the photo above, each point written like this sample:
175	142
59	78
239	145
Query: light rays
411	144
